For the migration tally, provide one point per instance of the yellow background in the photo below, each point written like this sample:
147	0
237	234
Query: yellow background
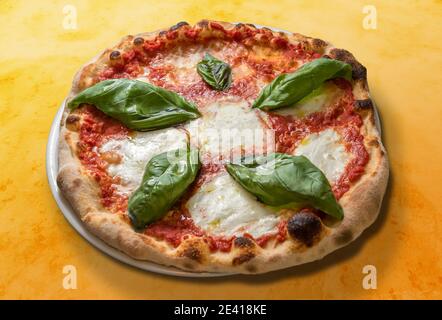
38	59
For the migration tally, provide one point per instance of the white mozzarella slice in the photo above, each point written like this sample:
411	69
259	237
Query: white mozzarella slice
137	151
184	63
326	151
228	128
187	60
222	207
317	101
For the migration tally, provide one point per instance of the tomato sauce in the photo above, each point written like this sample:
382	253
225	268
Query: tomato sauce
174	228
97	128
280	236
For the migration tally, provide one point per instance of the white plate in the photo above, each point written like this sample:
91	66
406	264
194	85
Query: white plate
72	218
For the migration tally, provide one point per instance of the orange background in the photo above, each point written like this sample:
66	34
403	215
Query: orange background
38	59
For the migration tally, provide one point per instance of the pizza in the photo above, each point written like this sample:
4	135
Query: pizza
223	147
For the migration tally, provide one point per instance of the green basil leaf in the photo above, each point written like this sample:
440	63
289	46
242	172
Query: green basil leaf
165	179
137	104
289	88
214	72
279	179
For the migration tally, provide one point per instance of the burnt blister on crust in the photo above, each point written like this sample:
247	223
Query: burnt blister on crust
138	41
318	45
178	25
242	258
358	70
115	55
363	104
251	268
203	23
374	143
192	253
305	227
344	237
73	122
243	242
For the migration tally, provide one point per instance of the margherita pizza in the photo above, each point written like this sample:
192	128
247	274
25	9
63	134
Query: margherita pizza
223	148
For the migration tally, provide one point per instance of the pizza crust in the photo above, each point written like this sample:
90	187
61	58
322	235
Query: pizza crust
361	203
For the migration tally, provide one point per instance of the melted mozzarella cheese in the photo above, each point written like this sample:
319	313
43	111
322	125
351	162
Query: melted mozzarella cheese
184	63
185	60
222	207
229	128
318	100
326	151
137	151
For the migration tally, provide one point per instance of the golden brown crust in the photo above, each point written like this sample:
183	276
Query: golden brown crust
361	204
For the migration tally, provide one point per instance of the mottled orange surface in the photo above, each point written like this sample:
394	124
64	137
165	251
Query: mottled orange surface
38	59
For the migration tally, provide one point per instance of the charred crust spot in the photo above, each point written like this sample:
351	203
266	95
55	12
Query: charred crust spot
115	55
243	258
363	104
342	55
358	70
251	25
178	25
275	258
239	25
73	122
373	143
193	254
244	242
138	41
319	43
162	33
76	182
251	268
305	227
60	182
344	237
72	118
203	23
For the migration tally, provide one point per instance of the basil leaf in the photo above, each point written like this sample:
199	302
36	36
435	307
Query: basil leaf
289	88
280	179
165	179
137	104
214	72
